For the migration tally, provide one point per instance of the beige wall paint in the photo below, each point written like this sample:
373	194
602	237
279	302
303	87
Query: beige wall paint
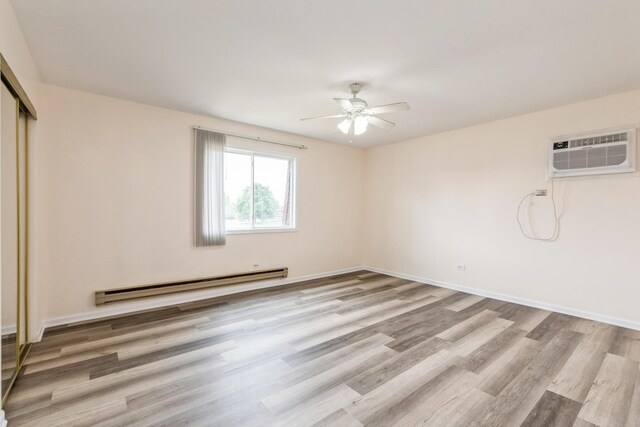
118	204
15	50
439	201
116	207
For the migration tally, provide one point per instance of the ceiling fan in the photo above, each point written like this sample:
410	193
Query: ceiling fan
358	114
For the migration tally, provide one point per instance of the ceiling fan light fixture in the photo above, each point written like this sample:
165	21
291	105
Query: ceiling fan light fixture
360	125
345	125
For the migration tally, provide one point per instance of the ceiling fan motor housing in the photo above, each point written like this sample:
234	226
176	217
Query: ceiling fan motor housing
358	104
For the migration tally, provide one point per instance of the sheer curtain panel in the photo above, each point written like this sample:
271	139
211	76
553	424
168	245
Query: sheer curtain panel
209	186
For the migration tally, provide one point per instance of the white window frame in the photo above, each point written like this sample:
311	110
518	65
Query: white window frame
294	192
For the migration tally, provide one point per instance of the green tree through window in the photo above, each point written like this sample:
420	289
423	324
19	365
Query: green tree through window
265	205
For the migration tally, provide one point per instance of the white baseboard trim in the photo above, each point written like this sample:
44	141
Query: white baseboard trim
3	420
9	329
616	321
169	300
39	334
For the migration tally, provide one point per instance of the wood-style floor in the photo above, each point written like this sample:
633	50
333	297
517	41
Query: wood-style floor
350	350
9	361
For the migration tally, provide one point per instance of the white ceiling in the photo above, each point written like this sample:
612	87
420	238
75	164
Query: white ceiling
272	62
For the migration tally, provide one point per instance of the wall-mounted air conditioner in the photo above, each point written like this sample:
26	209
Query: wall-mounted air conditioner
595	153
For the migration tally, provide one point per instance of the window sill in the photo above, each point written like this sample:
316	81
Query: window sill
263	231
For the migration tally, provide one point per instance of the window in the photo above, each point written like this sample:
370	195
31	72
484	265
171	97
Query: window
259	191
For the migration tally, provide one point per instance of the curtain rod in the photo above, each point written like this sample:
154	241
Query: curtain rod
255	138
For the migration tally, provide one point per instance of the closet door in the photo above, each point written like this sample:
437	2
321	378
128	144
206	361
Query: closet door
8	234
21	333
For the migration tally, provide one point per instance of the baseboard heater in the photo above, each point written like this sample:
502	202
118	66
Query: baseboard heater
124	294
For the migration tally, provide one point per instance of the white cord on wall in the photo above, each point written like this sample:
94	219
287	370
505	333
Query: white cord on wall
556	224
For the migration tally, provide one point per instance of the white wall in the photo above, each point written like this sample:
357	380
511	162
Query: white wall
117	208
439	201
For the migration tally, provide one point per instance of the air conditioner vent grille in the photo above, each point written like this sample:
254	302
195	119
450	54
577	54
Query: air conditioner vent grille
595	140
613	155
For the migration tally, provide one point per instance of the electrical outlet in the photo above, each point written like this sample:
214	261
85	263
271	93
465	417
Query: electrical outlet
256	265
539	193
462	267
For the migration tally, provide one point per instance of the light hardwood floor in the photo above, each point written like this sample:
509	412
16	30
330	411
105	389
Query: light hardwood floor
350	350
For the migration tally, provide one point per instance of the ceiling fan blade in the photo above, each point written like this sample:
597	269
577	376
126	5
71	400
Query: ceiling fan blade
398	106
334	116
381	123
344	103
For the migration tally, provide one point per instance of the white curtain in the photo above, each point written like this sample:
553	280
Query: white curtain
209	168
